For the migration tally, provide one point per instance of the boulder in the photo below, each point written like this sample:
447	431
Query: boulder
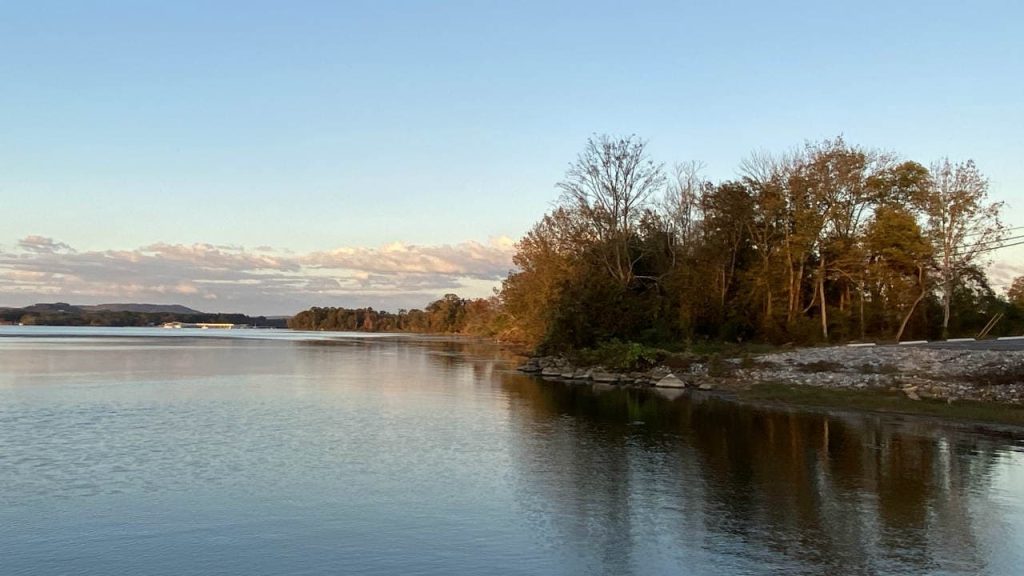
658	372
604	377
670	381
530	366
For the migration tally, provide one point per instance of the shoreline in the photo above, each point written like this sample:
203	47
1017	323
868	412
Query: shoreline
972	386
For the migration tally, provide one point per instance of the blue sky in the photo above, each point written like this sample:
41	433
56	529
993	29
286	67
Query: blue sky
304	128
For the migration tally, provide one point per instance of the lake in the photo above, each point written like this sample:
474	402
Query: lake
149	451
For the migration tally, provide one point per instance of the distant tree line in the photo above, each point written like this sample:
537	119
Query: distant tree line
449	315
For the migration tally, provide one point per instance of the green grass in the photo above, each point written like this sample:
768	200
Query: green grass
624	355
618	355
884	401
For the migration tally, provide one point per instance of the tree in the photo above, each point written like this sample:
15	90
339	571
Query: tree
546	259
609	186
1015	293
680	205
812	207
961	223
765	177
899	257
448	314
829	241
886	185
839	179
727	212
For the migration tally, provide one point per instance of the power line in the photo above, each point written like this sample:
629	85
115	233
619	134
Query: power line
994	241
1003	246
983	248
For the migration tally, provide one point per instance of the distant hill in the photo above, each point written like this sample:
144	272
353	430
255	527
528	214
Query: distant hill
55	307
64	314
64	307
145	308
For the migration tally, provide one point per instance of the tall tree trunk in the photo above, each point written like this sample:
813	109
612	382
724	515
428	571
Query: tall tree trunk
721	293
947	299
824	306
860	292
906	319
797	291
790	306
727	278
796	280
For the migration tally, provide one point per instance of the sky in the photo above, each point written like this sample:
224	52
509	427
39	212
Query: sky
264	157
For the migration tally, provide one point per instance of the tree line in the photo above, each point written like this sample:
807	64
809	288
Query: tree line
827	242
448	315
61	314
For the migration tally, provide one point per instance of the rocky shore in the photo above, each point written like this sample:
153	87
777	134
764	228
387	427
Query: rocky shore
988	376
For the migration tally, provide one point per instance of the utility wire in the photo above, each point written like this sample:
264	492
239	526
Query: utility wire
986	245
1000	247
995	241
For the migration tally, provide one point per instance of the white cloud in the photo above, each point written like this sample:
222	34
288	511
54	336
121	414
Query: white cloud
42	245
467	260
260	280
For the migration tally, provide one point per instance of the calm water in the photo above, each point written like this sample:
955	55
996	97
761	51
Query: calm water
274	453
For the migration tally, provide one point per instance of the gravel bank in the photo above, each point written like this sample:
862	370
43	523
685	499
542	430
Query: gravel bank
990	376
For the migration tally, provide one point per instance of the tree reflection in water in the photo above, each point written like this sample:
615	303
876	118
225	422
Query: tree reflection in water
707	480
624	481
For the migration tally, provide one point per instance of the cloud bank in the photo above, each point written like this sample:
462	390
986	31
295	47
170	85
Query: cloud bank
260	280
1002	272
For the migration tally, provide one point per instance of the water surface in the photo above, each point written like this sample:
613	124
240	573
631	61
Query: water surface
272	452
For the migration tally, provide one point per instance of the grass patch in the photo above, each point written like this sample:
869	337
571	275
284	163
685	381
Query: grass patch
632	356
884	401
719	368
680	361
618	355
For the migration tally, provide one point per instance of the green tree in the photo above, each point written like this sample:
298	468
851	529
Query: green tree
899	257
